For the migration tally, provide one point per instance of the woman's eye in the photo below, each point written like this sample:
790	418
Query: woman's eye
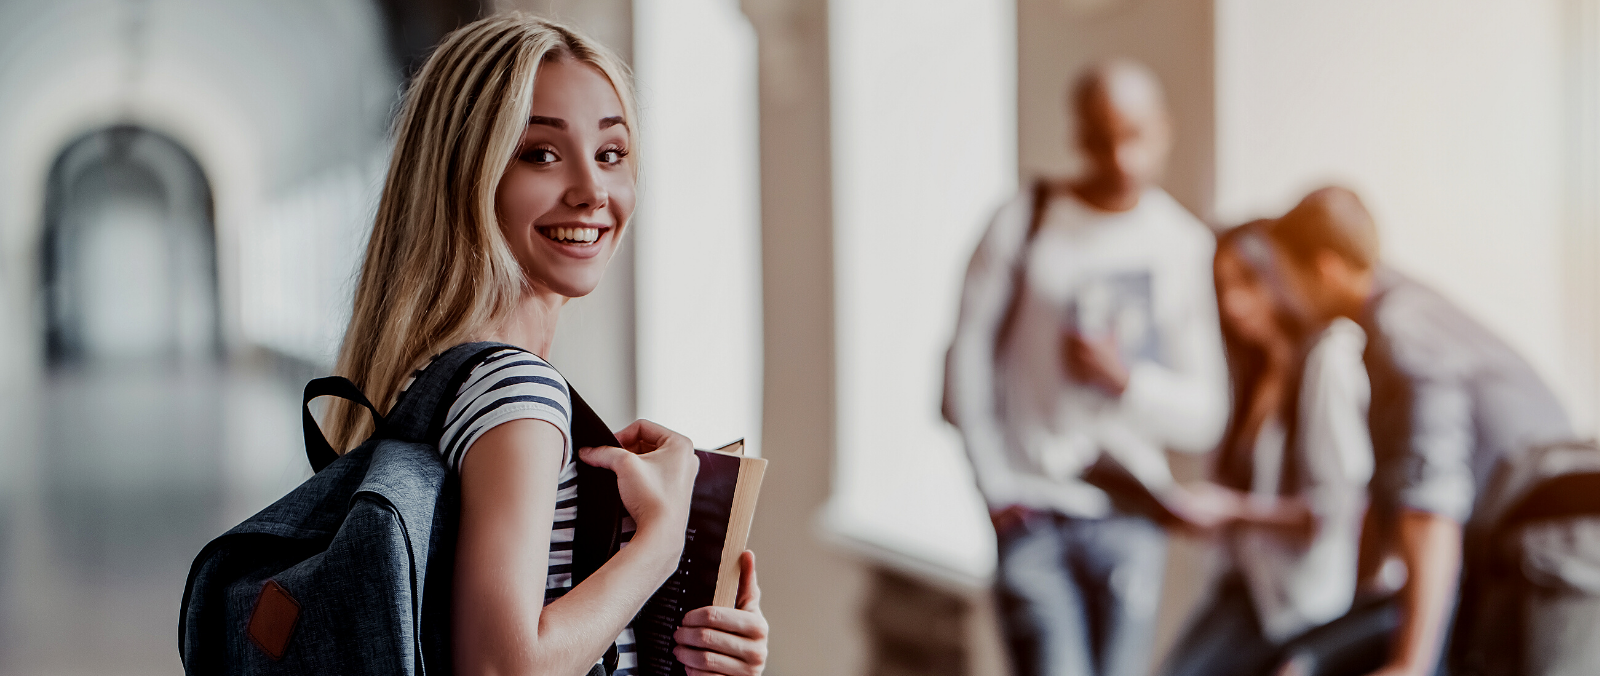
611	156
539	156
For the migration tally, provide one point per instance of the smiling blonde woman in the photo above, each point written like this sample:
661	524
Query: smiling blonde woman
512	183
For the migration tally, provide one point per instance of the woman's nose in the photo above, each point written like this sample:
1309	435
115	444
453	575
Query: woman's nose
586	190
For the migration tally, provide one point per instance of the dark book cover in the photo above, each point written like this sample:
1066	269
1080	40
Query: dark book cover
1127	493
725	492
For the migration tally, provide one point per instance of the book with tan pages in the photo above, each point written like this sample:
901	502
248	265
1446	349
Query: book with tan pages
724	503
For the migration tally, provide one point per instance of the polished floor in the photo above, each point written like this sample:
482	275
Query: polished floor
111	479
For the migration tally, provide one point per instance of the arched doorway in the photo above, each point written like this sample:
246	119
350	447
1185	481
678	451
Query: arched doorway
129	252
129	479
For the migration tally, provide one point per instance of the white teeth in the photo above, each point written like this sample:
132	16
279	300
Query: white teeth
575	235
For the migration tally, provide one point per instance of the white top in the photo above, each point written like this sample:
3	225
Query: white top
1297	585
1142	276
517	385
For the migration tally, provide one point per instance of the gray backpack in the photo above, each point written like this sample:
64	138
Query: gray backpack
350	573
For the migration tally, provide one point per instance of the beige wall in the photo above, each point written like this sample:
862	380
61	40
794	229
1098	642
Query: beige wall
1173	37
811	594
1446	116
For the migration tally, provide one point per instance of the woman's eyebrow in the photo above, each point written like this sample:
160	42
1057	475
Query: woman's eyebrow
608	122
556	122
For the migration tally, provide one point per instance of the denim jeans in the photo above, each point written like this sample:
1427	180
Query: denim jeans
1079	597
1225	639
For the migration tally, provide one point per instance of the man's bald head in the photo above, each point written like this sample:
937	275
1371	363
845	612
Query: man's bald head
1330	219
1331	246
1126	86
1123	129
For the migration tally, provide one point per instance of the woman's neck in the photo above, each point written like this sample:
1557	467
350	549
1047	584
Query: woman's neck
532	326
1271	381
1279	358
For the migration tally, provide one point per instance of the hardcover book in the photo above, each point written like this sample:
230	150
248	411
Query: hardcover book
724	503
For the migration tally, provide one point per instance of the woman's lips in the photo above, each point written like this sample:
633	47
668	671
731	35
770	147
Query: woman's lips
577	239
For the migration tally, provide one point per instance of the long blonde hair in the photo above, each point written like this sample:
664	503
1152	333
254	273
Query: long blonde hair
438	271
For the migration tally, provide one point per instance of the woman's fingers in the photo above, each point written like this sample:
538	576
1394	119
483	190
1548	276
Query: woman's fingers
712	640
710	662
749	624
608	457
654	482
644	436
749	597
728	641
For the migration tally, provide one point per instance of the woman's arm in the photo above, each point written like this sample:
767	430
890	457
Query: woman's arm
508	497
1208	505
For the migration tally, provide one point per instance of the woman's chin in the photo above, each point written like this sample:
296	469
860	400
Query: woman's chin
574	286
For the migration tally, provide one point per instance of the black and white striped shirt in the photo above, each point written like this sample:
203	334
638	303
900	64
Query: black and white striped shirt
511	385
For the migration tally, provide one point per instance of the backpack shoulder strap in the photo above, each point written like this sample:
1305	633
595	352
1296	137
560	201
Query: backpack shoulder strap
420	413
597	534
319	452
418	416
1019	266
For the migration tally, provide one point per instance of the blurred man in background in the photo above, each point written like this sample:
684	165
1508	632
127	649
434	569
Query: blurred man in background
1087	331
1452	405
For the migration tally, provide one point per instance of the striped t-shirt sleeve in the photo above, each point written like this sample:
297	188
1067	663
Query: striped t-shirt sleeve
509	385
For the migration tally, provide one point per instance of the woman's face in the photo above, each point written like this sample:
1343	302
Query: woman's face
568	192
1244	302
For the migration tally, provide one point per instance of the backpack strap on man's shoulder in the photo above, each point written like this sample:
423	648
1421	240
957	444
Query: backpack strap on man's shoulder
1019	266
1040	197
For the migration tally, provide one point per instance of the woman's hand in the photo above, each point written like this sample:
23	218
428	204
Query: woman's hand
1204	506
1008	518
726	641
655	475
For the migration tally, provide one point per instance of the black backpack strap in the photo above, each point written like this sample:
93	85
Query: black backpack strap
1019	267
420	413
418	416
597	535
318	450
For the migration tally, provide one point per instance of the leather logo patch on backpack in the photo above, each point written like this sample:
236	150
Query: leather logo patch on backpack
272	621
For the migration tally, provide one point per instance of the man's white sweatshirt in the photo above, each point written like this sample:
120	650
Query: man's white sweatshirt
1141	278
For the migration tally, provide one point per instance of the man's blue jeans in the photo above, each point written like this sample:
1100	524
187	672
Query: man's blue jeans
1078	597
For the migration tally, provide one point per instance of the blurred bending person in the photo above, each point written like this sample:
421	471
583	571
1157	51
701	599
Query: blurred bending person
1290	485
1451	403
1087	330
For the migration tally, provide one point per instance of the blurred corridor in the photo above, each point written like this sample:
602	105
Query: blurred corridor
151	390
118	477
101	517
